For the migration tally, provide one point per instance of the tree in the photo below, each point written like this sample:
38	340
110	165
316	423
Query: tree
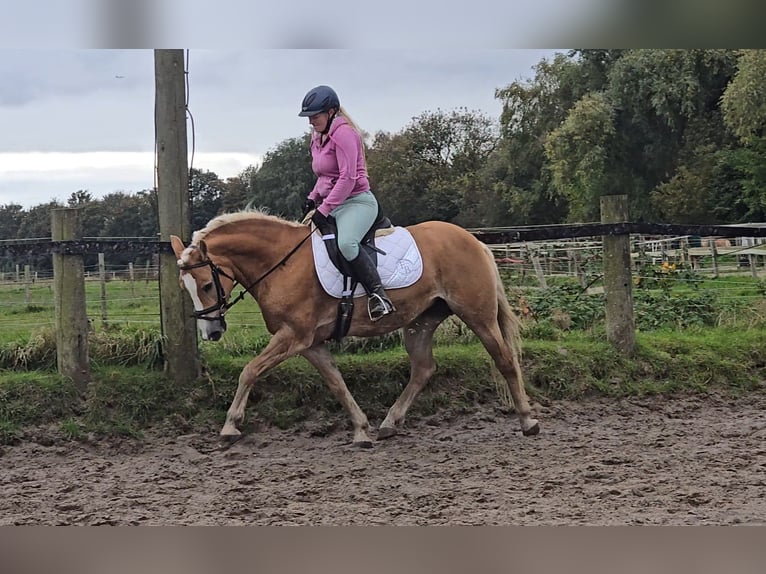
36	224
36	221
667	116
431	170
237	190
284	179
747	167
10	220
205	191
686	197
744	109
580	156
744	101
530	111
128	215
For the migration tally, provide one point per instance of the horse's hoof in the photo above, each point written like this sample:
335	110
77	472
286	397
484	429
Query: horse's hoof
532	431
363	444
386	432
230	437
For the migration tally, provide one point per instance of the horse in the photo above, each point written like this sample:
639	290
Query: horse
271	259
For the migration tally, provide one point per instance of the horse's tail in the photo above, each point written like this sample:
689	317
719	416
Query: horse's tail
509	323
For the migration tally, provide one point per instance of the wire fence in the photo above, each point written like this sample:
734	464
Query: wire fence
129	295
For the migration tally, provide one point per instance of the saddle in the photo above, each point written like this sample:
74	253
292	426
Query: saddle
346	304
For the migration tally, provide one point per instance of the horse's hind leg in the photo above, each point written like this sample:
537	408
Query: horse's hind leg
322	359
418	341
507	362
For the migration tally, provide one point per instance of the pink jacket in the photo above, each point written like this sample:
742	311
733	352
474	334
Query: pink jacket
338	165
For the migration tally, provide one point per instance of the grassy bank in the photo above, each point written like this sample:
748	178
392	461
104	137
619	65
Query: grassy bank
127	396
693	336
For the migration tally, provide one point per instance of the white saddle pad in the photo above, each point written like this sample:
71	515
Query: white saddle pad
401	266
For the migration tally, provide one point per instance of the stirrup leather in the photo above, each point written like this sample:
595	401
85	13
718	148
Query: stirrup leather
378	307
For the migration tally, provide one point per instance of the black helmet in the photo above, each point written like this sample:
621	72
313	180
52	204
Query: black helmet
319	99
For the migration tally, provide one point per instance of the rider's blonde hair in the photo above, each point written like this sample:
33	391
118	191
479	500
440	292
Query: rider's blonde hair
344	114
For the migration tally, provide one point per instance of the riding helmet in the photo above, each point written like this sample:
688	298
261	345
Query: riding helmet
318	100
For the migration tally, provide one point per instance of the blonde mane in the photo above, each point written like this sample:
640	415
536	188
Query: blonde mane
229	218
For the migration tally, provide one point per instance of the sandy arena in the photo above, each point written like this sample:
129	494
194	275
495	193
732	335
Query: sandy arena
602	462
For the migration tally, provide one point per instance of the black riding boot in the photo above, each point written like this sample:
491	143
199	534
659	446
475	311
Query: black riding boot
365	271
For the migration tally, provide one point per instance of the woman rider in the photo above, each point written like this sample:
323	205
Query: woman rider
342	188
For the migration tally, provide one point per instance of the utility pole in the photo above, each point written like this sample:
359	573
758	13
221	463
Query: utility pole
178	326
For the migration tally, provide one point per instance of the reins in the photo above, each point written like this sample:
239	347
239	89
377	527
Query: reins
262	277
217	271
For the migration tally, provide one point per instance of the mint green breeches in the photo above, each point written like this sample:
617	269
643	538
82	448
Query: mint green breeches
354	218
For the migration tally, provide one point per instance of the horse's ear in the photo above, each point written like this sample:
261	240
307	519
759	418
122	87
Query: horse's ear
177	245
202	246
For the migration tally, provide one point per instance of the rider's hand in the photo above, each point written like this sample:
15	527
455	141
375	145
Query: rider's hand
322	224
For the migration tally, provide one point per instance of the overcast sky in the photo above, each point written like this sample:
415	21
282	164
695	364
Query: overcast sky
84	119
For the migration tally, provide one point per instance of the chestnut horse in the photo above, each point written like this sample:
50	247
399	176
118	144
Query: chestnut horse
272	259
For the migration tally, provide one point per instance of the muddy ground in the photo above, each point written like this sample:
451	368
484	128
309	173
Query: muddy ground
634	461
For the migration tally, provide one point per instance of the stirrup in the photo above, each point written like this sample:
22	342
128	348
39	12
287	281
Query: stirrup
382	307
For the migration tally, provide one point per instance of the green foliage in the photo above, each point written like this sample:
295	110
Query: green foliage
579	152
71	429
744	101
583	311
431	169
747	176
206	196
657	310
126	346
674	200
10	433
28	398
531	110
36	352
665	297
128	398
284	179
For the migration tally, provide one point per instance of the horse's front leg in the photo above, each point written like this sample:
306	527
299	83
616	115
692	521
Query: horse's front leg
321	358
282	346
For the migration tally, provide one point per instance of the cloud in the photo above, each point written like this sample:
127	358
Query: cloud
33	75
29	179
244	103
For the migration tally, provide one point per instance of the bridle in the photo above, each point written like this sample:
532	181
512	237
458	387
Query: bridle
221	304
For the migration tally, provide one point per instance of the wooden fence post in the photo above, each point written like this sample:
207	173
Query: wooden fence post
714	256
618	289
71	319
132	275
27	284
102	281
535	258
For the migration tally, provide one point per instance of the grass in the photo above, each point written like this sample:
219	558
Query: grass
125	400
129	392
135	306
